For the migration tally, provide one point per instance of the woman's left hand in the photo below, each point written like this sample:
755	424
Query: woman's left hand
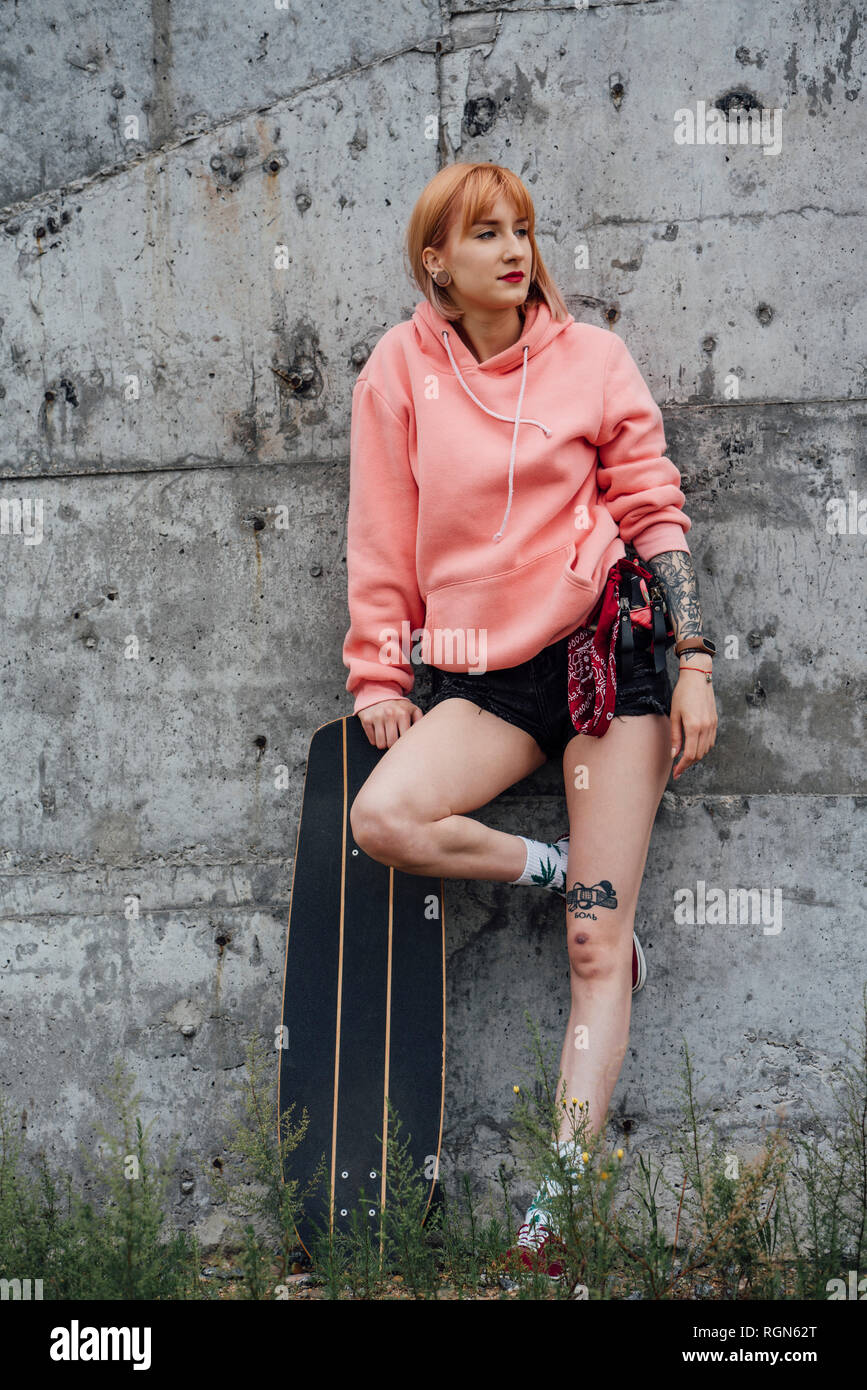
693	719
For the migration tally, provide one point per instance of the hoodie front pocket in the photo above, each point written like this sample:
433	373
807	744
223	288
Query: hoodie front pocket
504	619
594	550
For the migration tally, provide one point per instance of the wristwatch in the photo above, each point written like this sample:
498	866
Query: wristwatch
695	644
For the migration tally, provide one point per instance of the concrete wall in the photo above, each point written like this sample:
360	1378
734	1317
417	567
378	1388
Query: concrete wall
173	633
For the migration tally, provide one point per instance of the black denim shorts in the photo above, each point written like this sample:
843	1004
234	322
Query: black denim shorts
534	695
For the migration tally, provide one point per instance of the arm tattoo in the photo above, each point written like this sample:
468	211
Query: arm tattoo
675	569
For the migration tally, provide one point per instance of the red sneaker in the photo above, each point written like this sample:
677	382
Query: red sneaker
538	1251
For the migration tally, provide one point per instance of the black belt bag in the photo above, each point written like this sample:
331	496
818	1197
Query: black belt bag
641	592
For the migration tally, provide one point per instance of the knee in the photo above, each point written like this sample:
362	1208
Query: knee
591	956
385	831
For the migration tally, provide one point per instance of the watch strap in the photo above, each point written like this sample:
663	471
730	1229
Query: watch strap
693	644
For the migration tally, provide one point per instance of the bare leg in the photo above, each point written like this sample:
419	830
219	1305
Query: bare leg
610	824
409	812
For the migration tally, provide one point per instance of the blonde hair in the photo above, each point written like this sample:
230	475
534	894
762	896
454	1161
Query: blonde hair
476	188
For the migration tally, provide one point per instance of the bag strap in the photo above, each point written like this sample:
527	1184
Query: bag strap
627	640
658	640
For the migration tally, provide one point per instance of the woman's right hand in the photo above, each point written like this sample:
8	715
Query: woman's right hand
385	721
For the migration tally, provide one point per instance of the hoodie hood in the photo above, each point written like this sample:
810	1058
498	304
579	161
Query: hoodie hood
439	339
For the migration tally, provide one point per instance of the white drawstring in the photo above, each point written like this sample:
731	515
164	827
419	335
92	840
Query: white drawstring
508	418
499	535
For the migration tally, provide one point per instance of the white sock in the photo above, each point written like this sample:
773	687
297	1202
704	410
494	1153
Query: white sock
546	863
538	1217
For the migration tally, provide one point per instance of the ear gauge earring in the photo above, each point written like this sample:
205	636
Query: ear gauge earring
438	278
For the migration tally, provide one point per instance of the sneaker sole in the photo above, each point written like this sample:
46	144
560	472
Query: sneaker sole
642	965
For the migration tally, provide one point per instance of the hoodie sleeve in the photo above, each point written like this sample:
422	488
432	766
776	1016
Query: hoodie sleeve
382	587
640	486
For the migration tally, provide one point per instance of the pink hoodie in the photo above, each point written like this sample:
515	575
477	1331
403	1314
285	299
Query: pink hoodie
488	500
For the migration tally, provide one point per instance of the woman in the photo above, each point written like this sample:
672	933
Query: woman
483	569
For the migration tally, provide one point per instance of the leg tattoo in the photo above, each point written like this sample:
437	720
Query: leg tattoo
581	897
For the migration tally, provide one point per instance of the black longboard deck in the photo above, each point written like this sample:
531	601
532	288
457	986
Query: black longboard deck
363	998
